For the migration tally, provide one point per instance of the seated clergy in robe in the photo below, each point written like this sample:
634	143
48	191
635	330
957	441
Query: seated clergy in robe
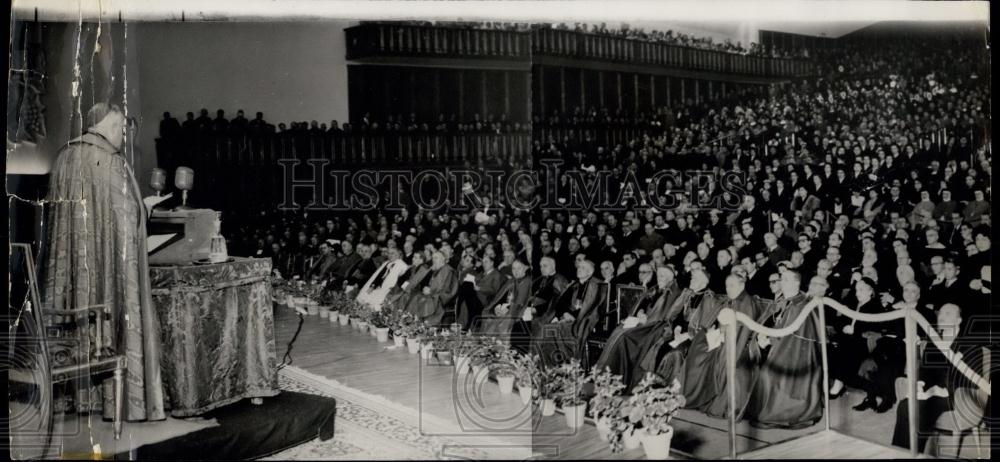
437	289
475	291
413	281
665	355
650	319
343	267
546	289
789	389
322	266
507	306
558	334
705	378
374	292
365	267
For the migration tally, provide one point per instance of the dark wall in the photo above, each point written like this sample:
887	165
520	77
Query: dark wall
428	92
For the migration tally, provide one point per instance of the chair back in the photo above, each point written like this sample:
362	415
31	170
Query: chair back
627	299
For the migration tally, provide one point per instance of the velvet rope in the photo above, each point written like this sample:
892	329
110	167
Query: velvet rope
727	316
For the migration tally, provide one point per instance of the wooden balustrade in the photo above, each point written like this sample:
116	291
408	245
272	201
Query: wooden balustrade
441	41
232	170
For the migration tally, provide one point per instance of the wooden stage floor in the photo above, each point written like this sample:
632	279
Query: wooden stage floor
359	362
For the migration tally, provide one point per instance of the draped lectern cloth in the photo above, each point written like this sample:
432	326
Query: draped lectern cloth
94	253
217	326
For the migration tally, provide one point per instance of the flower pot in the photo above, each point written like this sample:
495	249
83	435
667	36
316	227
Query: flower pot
382	334
344	319
324	312
312	309
548	407
506	384
574	415
444	358
603	429
426	350
413	345
632	439
657	447
462	365
362	326
525	393
399	341
333	316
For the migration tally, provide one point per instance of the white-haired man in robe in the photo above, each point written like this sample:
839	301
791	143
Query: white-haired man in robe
375	290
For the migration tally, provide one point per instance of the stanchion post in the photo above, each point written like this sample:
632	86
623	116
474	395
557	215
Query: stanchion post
729	320
824	356
911	374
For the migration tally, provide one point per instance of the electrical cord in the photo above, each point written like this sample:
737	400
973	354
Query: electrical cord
287	358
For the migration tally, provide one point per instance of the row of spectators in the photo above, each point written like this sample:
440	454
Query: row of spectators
870	185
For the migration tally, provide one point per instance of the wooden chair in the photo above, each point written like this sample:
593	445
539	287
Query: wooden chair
598	333
71	335
95	356
968	416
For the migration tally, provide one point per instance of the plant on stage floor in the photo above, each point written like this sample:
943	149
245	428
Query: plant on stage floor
527	370
605	405
504	361
569	379
651	407
380	319
482	352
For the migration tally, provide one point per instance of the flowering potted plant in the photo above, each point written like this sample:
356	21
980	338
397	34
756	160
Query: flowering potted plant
526	374
481	358
605	405
547	389
464	347
380	321
413	330
443	344
312	293
504	364
654	404
570	378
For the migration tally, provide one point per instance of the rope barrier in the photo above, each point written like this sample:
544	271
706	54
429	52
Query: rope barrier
727	316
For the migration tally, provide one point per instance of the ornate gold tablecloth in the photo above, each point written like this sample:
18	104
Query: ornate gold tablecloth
217	330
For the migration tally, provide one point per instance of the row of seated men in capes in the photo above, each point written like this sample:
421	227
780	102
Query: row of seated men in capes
664	329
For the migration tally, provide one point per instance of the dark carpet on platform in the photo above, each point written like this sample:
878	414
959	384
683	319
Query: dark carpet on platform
248	431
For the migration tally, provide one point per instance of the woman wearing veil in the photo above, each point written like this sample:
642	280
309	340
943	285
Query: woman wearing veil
95	254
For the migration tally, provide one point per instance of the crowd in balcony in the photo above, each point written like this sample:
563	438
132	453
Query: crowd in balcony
671	37
870	185
201	127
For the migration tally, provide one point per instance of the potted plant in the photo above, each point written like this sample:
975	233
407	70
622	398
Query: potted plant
547	388
465	346
605	405
526	375
413	331
503	365
482	357
655	403
443	344
570	379
380	321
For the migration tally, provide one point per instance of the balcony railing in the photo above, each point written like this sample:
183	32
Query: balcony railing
390	39
234	169
582	45
384	39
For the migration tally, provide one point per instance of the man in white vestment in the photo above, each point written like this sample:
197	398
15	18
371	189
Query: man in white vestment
374	291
